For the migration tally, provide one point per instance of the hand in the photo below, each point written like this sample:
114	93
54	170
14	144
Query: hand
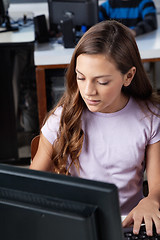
146	211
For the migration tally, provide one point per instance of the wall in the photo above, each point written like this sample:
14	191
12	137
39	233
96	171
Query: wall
36	8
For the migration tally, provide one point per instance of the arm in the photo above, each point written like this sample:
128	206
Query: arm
42	160
148	208
104	10
149	19
103	14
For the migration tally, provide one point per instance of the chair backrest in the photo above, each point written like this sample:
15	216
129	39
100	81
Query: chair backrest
34	146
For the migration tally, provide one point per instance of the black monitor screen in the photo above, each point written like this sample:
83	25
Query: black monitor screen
38	205
4	5
82	12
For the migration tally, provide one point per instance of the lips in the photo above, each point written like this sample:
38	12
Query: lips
92	102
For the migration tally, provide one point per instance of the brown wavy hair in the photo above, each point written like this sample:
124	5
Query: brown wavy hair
114	40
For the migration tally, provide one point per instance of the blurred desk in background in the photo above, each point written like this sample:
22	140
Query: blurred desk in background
149	46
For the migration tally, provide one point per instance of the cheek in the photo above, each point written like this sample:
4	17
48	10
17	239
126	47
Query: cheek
78	85
111	91
81	85
108	91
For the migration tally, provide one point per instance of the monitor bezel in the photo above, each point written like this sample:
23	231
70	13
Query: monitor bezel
2	12
94	193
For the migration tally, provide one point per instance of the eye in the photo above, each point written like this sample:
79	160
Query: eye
80	77
103	83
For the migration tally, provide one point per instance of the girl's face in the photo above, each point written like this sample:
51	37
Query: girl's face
100	83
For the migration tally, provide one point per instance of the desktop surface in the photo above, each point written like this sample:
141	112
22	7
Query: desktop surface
25	32
149	45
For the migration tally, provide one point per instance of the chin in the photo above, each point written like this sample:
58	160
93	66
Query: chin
93	109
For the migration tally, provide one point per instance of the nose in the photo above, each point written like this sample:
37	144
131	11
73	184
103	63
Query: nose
90	88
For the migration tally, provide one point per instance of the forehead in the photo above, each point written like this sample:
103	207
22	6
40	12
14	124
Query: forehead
95	62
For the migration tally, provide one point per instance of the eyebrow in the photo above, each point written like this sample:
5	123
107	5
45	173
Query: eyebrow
100	76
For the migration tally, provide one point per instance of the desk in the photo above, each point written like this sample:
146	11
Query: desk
149	46
10	44
48	56
25	35
51	56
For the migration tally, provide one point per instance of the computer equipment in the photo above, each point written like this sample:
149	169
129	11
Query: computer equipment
41	30
75	15
38	205
4	17
142	235
4	5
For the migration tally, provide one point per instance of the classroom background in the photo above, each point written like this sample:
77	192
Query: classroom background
27	117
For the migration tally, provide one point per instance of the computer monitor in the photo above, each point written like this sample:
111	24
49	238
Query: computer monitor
3	9
69	14
4	17
82	12
38	205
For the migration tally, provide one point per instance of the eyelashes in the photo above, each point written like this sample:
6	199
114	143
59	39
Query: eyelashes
100	83
97	80
105	83
79	78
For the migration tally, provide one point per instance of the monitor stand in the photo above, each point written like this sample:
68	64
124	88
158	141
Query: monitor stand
8	27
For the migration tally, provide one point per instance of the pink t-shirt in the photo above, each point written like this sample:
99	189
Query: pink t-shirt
113	148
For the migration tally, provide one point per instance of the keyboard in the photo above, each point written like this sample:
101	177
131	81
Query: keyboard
129	235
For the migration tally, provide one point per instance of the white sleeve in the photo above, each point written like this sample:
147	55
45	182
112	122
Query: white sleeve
155	130
51	127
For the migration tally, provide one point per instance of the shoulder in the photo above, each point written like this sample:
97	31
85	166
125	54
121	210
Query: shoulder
152	108
54	117
51	126
149	120
142	111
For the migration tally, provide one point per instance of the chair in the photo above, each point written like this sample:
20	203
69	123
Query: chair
34	146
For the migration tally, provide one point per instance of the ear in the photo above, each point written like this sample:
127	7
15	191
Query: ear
129	76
